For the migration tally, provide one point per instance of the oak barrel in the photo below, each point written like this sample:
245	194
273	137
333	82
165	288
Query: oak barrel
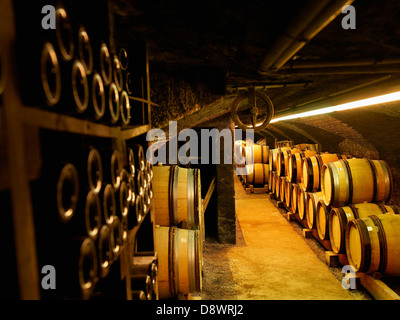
277	185
295	191
373	244
257	174
256	154
272	185
282	192
301	203
356	181
273	154
295	165
322	220
312	169
288	193
179	261
311	207
177	196
282	160
340	217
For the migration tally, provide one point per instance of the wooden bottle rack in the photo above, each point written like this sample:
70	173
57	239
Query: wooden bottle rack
19	140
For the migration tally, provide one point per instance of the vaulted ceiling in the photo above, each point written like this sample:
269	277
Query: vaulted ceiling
223	43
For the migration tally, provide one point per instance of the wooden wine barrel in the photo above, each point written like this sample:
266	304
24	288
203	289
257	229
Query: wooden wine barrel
294	196
312	167
373	244
273	154
301	203
270	178
307	146
282	160
355	181
295	165
288	193
340	217
277	185
256	154
322	220
282	192
177	196
311	207
272	184
179	261
239	153
257	174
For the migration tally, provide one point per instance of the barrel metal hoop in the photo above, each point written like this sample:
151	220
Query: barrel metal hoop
382	244
349	179
191	261
374	178
396	209
190	197
355	211
310	174
366	245
388	176
263	173
196	197
382	207
320	164
173	195
171	261
170	194
335	186
343	224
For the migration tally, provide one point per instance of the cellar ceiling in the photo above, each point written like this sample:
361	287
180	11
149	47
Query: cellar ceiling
222	43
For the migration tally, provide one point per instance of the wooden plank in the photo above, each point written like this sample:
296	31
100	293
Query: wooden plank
209	193
307	233
133	132
25	243
61	122
377	288
332	259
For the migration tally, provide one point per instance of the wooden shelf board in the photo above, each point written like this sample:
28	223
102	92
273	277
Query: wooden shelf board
132	132
62	122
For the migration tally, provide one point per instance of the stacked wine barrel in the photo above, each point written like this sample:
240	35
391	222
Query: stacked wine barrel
179	233
345	200
361	225
71	72
252	160
86	202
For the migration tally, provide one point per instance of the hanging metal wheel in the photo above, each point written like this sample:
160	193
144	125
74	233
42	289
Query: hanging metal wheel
252	110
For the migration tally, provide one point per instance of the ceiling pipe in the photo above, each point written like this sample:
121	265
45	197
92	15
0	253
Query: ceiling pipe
311	19
371	69
319	63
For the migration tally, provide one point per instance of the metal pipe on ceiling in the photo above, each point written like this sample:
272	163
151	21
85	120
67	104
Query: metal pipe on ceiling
311	19
367	69
319	63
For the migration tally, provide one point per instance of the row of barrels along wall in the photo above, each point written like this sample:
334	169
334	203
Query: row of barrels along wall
85	203
257	161
179	232
345	200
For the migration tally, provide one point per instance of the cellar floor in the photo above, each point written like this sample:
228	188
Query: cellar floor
271	259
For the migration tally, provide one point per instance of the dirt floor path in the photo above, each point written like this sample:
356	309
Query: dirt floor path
271	260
